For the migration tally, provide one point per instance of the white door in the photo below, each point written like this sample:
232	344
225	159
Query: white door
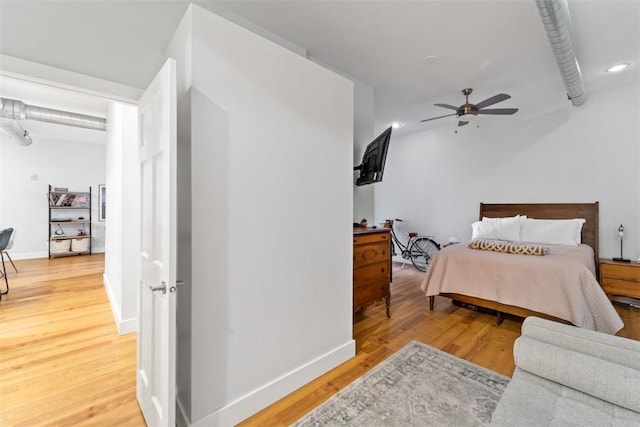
156	382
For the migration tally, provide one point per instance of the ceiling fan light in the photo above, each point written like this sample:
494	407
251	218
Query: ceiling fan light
466	117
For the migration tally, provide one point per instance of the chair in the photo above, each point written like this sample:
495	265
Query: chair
13	236
5	237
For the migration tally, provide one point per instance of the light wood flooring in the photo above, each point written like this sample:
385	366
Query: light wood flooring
63	363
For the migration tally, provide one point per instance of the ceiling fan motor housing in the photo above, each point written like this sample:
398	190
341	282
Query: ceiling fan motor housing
467	109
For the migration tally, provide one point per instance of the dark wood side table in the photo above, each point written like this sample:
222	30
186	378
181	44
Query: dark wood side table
620	278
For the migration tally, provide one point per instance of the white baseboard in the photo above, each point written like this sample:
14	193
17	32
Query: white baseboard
35	255
29	255
125	326
249	404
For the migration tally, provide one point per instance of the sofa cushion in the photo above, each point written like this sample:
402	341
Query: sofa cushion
530	400
600	378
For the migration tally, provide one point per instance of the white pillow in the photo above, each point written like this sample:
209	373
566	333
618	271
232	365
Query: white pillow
506	218
504	228
552	231
496	230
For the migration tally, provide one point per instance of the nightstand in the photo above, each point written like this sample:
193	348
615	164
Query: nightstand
620	278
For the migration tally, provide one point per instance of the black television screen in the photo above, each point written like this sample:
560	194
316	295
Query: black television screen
373	159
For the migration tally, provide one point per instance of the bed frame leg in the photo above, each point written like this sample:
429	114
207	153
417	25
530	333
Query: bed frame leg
431	300
499	318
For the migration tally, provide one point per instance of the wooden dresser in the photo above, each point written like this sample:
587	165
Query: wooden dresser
620	278
371	267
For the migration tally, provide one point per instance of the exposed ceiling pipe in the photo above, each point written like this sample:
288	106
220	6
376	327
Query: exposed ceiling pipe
557	24
18	110
15	131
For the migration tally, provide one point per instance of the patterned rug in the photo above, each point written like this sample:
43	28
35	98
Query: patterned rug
417	386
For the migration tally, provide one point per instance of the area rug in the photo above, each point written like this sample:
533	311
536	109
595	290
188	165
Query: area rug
417	386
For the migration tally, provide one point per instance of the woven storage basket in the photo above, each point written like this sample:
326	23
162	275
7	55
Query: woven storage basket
59	246
79	245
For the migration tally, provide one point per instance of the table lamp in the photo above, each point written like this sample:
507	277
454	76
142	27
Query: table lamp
621	236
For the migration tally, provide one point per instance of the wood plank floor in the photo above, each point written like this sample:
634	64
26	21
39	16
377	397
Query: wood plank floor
62	362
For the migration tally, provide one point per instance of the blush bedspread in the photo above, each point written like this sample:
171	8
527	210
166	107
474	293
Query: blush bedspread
561	283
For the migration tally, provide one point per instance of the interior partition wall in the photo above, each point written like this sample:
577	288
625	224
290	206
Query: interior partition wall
265	184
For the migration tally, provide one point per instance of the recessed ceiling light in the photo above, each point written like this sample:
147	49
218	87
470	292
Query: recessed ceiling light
617	67
396	125
430	58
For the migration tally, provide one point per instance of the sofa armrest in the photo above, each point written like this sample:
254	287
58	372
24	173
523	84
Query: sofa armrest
614	349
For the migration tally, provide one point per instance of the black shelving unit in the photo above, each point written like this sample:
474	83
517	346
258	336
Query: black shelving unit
69	222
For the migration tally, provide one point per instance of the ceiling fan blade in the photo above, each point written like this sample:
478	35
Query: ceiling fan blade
461	123
498	111
493	100
439	117
451	107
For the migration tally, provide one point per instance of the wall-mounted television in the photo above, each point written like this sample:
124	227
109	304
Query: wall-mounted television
373	159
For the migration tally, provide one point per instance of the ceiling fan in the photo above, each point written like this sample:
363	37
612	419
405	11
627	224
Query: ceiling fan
468	111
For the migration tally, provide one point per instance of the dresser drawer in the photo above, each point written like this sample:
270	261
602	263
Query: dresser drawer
371	273
621	287
626	272
370	254
359	239
370	293
620	279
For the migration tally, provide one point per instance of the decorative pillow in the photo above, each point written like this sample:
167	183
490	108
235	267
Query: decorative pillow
497	228
552	231
509	247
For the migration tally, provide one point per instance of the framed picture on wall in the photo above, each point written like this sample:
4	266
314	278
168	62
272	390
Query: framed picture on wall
102	202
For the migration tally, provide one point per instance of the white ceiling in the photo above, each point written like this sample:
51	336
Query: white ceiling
492	46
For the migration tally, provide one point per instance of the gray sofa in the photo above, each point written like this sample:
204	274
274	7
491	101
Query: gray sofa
570	376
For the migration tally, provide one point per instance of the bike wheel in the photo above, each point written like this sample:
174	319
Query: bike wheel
422	250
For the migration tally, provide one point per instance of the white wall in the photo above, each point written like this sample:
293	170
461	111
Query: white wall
363	121
271	149
26	172
122	213
436	179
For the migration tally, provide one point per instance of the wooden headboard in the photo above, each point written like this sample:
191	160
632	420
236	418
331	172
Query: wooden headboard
588	211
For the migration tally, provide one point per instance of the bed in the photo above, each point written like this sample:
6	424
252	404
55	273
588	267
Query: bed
561	285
